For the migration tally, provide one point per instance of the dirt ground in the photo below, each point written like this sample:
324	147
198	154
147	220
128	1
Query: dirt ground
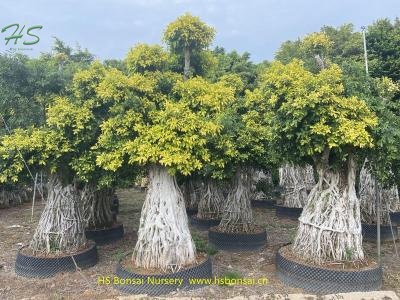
16	229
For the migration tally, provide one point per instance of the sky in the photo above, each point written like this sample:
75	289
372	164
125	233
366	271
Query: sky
108	28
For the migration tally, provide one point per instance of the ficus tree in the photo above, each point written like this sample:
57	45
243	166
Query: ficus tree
239	148
310	119
97	186
63	146
162	123
60	227
187	35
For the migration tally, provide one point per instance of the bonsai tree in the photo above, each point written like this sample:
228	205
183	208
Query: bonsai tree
97	186
162	123
239	148
188	34
309	119
63	146
60	227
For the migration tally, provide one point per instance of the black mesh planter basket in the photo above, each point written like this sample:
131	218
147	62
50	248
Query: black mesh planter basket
43	267
369	232
237	241
106	235
150	284
395	217
327	281
191	211
263	203
203	224
292	213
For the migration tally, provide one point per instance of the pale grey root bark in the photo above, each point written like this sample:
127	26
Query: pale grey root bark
259	176
211	200
237	215
367	190
195	187
330	225
96	206
61	227
191	190
296	182
13	197
164	239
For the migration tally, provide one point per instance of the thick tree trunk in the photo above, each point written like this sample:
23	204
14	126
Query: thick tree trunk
211	200
164	239
237	215
97	206
61	227
367	189
296	182
330	225
186	69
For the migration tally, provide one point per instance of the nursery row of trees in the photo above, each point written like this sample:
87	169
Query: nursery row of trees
190	118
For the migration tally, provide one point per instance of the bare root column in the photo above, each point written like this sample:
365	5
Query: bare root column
367	189
296	182
13	195
211	201
164	239
259	176
237	215
330	225
97	206
191	190
195	188
61	227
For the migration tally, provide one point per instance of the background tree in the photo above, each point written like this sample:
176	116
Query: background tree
188	35
383	41
235	63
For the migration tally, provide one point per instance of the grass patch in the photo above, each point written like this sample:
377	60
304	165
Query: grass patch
202	244
229	276
119	254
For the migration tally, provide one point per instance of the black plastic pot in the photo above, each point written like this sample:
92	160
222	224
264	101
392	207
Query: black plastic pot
191	211
42	267
237	241
395	217
369	232
292	213
106	235
326	281
144	284
203	224
263	203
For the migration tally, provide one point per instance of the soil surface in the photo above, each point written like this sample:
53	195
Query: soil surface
129	265
17	228
365	264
